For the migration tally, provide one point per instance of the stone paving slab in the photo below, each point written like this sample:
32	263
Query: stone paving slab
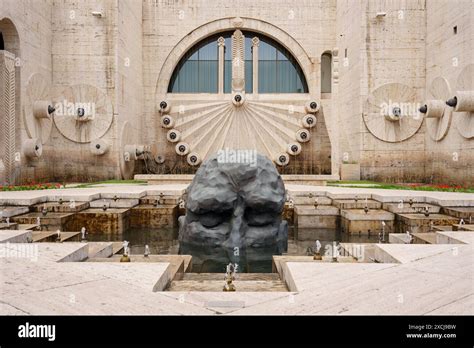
321	210
430	281
361	215
138	191
9	211
112	203
405	253
8	226
423	286
15	236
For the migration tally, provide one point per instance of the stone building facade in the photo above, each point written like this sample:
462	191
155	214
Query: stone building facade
320	86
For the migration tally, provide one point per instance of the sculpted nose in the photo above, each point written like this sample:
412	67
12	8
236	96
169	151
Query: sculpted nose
236	236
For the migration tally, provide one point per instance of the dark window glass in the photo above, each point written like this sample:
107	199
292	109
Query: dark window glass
326	62
278	71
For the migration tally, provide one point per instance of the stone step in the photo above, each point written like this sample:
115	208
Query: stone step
114	203
30	227
299	200
424	238
51	236
421	223
50	221
238	276
179	264
147	215
463	227
324	216
166	199
9	211
100	249
442	228
96	220
9	226
15	236
357	221
218	285
55	207
117	247
460	212
405	208
359	204
44	236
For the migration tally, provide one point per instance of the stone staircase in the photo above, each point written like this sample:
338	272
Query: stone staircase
215	282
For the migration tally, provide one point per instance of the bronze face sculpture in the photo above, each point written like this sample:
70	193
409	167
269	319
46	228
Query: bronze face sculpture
235	205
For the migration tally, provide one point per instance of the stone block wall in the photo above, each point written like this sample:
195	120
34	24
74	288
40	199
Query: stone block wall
450	160
123	52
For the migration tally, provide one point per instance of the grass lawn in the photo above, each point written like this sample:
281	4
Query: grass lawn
401	186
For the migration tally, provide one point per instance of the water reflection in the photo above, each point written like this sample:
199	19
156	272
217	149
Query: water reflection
249	260
208	260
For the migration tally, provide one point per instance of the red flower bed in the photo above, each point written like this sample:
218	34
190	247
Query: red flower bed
31	186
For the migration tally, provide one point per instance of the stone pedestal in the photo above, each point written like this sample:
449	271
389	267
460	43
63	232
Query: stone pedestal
357	221
9	211
313	234
324	216
405	208
166	199
460	213
55	207
111	203
309	200
356	204
10	226
418	223
151	216
48	222
111	221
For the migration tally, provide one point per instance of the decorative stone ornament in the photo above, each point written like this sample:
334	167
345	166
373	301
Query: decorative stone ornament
167	121
303	136
99	147
173	135
32	148
437	113
309	121
182	149
164	107
391	112
83	112
312	106
464	108
38	108
293	149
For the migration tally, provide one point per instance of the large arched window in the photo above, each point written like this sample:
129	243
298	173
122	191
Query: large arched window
197	70
267	63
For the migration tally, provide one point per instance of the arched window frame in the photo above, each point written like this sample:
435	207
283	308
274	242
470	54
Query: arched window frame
258	78
326	72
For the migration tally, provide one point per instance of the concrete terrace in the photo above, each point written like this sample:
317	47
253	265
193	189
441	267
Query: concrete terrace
408	279
417	279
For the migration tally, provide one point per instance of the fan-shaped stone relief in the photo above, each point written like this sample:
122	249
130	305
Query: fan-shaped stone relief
437	113
83	112
38	108
464	108
391	112
276	129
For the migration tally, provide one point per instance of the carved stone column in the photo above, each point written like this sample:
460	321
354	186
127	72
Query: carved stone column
255	44
238	62
221	45
7	117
